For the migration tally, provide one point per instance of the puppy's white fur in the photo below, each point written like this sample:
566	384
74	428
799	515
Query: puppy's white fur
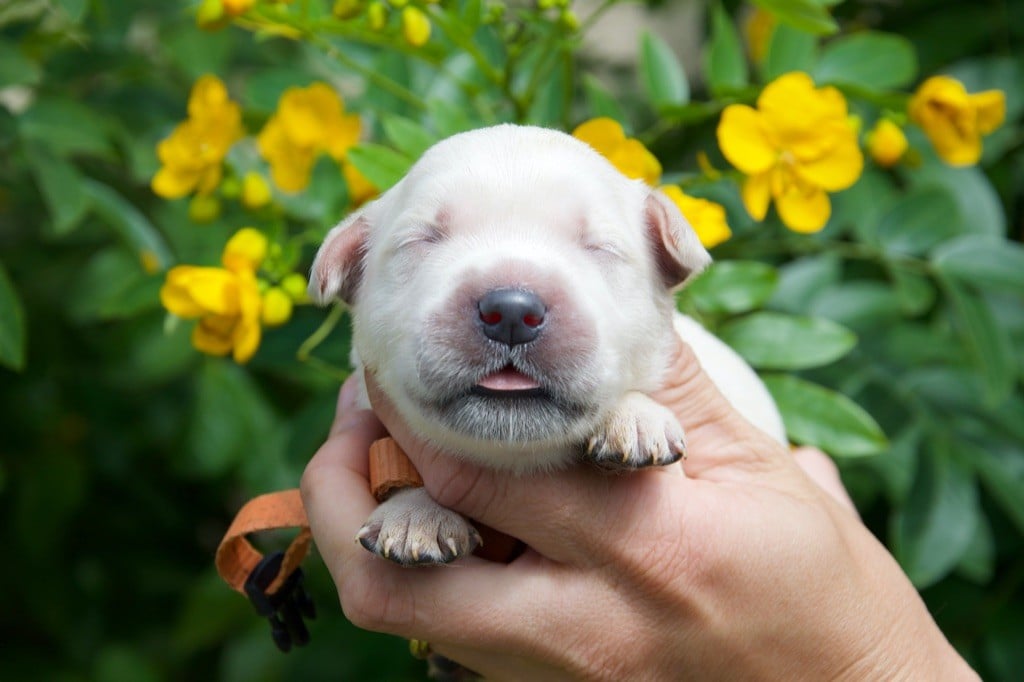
528	209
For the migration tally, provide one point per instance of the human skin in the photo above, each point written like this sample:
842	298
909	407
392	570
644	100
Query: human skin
750	565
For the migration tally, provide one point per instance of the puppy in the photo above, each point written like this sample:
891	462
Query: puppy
513	297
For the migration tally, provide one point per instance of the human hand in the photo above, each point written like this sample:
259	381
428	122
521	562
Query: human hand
751	565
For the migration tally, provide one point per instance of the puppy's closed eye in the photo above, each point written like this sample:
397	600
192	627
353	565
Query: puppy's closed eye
421	236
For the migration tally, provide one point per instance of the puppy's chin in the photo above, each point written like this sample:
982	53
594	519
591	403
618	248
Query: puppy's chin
519	419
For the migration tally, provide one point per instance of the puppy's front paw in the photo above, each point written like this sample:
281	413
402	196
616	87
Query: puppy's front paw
638	433
411	529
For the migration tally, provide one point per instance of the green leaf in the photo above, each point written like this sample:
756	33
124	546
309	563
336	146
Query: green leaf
987	341
801	280
875	61
111	286
448	119
16	68
935	528
232	422
126	220
381	165
859	208
778	341
548	107
916	293
60	183
978	203
725	64
983	263
663	78
978	561
803	15
815	415
408	136
66	127
918	222
600	102
1000	467
859	305
789	49
12	325
732	287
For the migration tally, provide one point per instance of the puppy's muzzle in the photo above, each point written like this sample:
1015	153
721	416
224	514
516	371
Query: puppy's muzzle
511	316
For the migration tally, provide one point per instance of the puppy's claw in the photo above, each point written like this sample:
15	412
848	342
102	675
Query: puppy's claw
639	433
411	529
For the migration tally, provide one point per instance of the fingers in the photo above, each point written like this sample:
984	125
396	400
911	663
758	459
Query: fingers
823	471
335	487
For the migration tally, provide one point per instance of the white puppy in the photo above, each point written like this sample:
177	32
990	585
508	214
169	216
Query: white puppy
512	295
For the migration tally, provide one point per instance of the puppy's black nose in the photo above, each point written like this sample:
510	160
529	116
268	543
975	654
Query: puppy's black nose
511	316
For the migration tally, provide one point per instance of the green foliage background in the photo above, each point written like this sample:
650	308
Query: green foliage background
124	453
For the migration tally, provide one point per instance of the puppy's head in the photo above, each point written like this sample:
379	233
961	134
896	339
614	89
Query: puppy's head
509	290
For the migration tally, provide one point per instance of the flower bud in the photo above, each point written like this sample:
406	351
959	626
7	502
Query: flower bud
210	16
245	250
255	191
415	26
376	15
277	307
886	143
295	285
347	9
203	209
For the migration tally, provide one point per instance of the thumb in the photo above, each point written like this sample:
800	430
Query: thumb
720	441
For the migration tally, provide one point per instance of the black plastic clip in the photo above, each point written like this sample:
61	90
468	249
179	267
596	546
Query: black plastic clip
286	608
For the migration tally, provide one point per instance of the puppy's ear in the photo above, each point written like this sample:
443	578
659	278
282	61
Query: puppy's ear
678	252
338	266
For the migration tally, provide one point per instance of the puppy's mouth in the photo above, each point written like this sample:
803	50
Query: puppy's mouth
508	382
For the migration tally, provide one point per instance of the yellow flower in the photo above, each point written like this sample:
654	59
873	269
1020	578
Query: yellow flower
227	304
630	156
360	189
255	191
191	157
308	121
245	250
796	146
955	120
886	143
706	217
415	26
277	307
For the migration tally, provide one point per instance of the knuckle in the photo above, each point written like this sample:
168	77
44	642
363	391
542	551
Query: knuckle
370	604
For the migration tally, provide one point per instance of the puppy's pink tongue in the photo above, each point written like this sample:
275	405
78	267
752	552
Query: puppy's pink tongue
508	379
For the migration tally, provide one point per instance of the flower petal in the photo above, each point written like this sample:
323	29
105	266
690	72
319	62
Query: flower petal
603	134
756	194
706	217
635	161
245	250
209	337
803	210
745	141
991	108
836	170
